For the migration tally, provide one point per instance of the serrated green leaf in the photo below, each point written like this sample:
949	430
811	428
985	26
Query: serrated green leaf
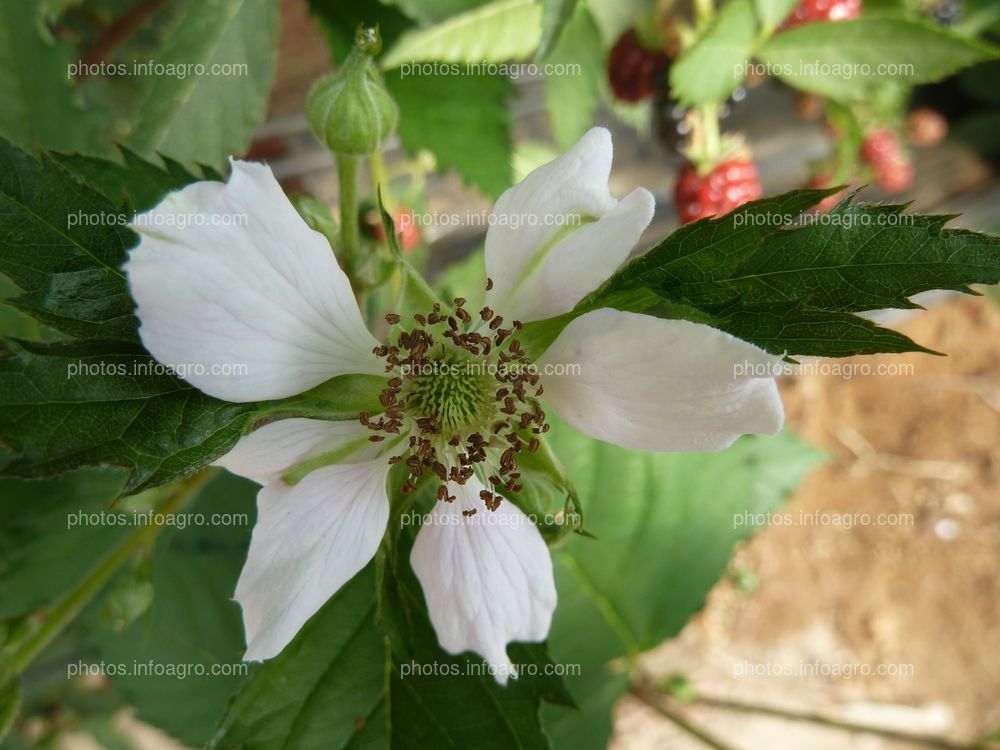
708	71
40	105
555	15
572	97
856	257
206	114
661	545
500	31
844	60
468	128
57	417
747	268
135	184
63	244
73	404
798	328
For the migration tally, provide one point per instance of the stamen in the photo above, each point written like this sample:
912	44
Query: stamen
461	397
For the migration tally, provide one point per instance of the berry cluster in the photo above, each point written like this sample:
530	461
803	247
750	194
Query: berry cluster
888	159
729	185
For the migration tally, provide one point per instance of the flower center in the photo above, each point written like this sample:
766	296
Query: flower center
454	390
465	393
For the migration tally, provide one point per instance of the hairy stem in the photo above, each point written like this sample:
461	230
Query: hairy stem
347	175
713	138
380	185
64	611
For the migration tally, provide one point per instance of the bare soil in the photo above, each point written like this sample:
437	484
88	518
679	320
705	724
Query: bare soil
889	611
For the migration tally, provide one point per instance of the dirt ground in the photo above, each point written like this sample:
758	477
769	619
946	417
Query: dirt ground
874	595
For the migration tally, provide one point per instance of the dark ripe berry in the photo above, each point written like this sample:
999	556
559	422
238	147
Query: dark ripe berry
820	11
633	70
888	159
926	127
727	186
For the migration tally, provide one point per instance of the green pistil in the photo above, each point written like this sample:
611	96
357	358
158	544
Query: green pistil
459	395
451	392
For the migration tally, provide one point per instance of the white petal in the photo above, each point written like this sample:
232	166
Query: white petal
651	384
525	218
582	261
310	539
487	578
237	293
267	452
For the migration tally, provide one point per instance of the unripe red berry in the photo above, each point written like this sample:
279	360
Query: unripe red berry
888	159
729	185
821	11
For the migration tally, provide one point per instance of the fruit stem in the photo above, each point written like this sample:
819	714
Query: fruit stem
376	166
350	238
713	139
67	608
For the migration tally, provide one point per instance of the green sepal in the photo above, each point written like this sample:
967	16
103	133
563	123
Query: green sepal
549	497
351	110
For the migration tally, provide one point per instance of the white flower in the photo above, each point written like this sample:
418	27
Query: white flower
257	309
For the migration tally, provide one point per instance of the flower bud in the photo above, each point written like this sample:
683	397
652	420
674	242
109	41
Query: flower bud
350	110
